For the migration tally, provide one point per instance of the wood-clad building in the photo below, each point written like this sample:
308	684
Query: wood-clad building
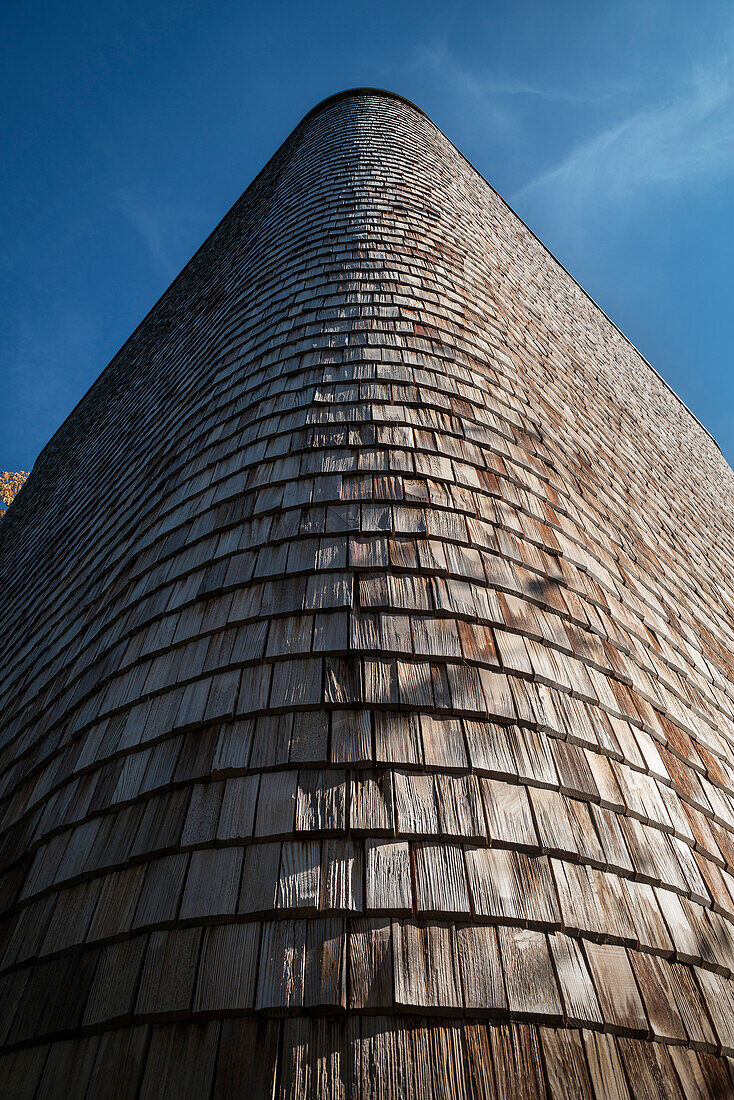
368	718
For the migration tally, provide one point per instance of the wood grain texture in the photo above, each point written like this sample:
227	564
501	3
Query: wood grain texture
378	741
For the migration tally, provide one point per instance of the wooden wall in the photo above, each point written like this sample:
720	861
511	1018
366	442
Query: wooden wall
368	712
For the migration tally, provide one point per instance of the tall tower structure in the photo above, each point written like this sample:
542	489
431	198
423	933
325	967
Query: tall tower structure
368	712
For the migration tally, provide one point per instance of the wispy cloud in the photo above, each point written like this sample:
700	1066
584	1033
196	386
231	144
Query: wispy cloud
152	224
166	229
686	136
674	128
489	87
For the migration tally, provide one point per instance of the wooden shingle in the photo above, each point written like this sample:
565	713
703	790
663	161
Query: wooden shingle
169	971
370	964
426	967
212	884
440	880
226	978
376	741
529	975
616	988
388	876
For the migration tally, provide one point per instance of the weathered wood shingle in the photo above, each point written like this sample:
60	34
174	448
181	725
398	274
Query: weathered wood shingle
378	741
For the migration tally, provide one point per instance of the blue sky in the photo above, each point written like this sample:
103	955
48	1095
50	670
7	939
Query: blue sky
130	128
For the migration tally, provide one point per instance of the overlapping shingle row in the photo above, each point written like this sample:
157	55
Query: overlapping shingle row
369	665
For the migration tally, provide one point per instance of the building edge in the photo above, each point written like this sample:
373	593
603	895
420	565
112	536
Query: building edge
328	101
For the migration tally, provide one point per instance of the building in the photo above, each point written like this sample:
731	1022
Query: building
369	714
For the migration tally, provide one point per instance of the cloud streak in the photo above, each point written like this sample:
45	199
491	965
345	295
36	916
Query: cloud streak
152	224
671	142
647	135
168	231
438	59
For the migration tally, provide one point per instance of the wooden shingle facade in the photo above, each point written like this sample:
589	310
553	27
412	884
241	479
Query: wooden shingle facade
368	720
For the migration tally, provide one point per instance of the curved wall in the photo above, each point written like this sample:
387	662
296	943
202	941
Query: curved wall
368	729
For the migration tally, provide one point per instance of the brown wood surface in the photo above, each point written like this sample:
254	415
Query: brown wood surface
377	741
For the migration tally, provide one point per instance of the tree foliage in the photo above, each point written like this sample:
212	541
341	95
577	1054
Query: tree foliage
10	484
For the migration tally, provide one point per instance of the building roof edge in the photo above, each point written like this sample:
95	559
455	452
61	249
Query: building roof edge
348	93
385	94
